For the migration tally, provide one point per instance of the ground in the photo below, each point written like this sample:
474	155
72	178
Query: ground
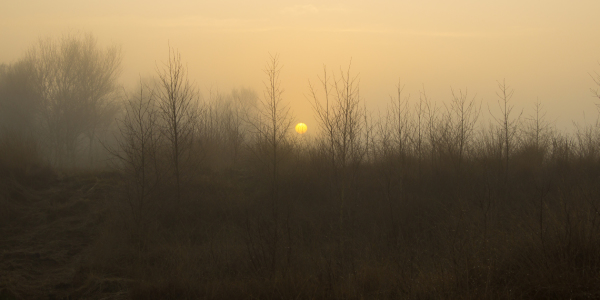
46	231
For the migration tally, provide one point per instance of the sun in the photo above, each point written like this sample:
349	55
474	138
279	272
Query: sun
301	128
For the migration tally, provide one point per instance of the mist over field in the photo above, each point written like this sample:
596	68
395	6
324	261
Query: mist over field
279	149
544	51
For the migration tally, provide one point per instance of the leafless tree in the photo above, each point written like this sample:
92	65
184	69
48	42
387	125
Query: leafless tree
341	118
429	132
538	129
76	82
401	119
178	112
436	129
417	138
137	151
273	122
461	115
271	126
507	122
242	101
393	144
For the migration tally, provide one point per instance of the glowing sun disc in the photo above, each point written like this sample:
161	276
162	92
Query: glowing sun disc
301	128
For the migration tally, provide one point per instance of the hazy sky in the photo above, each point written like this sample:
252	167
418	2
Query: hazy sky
544	49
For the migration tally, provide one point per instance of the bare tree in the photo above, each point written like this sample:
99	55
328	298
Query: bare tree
76	82
537	129
178	111
137	151
341	118
272	123
401	119
394	133
508	124
241	103
271	127
417	137
462	115
429	132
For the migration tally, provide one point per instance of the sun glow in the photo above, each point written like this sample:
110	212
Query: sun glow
301	128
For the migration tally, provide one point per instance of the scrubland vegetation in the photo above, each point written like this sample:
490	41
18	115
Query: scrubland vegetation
218	198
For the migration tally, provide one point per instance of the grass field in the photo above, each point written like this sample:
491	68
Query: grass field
74	235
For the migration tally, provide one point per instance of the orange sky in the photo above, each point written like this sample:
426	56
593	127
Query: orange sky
544	49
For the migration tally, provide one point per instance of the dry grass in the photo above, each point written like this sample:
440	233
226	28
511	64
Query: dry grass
74	238
468	233
45	238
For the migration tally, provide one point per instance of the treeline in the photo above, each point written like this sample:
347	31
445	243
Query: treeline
61	95
426	201
220	198
64	96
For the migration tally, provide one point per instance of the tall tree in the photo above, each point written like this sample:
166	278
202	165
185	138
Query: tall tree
136	151
341	116
178	111
271	126
76	81
461	119
508	123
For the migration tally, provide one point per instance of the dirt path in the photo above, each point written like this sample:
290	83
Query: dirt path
44	235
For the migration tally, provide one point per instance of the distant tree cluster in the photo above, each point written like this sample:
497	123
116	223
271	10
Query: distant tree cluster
62	95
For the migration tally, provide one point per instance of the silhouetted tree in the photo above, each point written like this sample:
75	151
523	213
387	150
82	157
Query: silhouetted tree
242	101
461	115
137	150
508	124
178	112
271	126
341	118
537	130
224	127
393	144
76	82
